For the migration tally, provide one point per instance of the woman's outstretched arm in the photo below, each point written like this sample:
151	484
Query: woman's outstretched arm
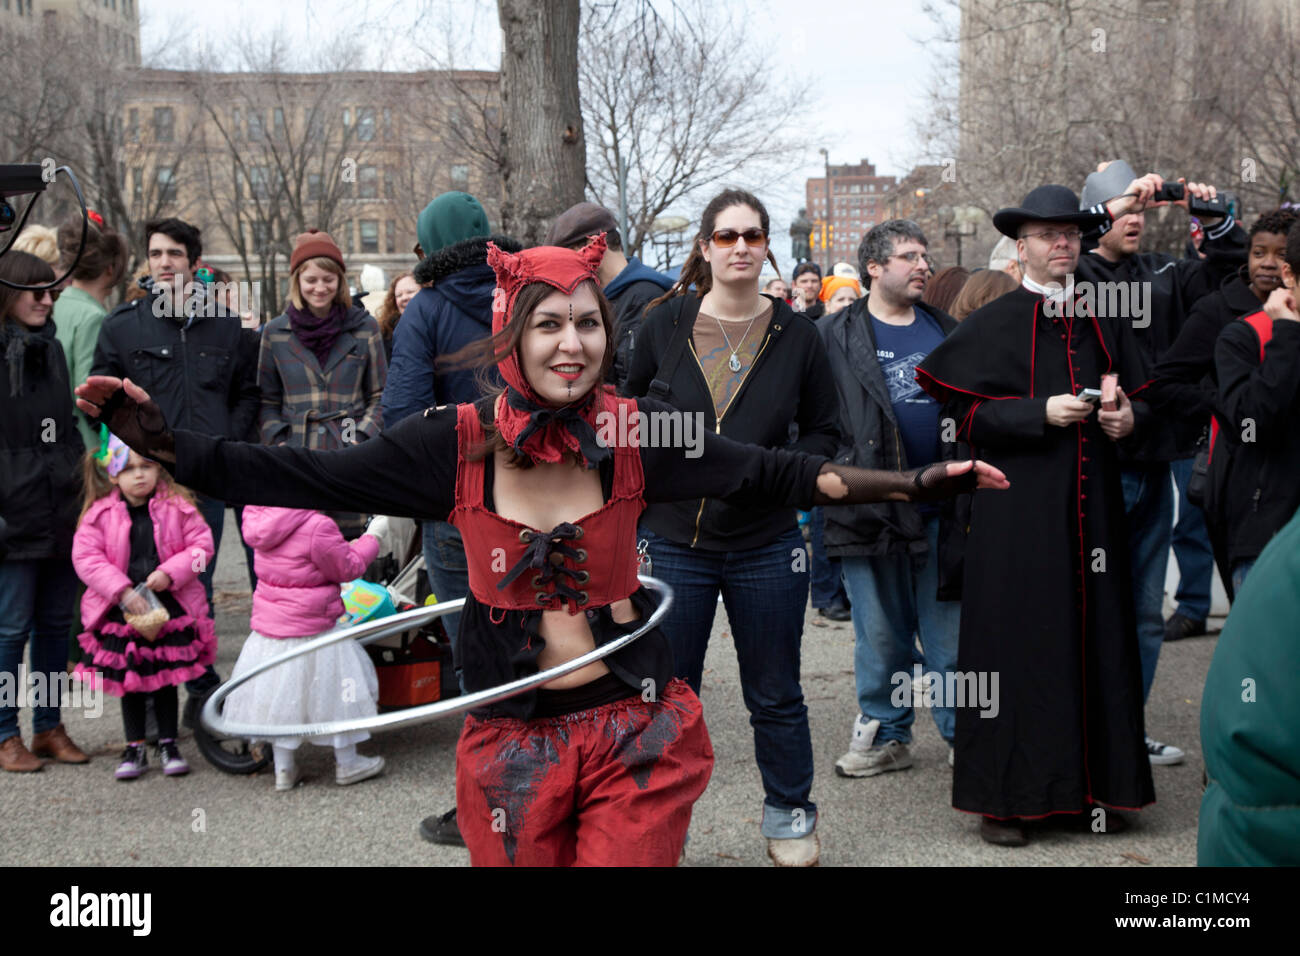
409	470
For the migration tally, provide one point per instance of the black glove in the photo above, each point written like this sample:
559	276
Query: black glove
141	427
864	485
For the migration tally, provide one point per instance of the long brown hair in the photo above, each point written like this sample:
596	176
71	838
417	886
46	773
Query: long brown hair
22	268
696	271
389	313
98	485
486	354
981	289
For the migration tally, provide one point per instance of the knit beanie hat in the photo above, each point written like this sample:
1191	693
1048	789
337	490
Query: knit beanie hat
312	244
831	283
451	218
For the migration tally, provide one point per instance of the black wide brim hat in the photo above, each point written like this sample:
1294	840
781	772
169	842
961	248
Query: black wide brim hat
1045	204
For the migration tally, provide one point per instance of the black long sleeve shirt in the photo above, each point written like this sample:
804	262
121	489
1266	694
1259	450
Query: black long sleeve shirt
410	470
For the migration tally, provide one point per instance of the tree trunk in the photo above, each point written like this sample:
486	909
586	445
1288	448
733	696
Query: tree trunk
541	132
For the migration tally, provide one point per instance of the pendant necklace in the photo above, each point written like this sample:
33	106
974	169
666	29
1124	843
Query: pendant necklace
734	362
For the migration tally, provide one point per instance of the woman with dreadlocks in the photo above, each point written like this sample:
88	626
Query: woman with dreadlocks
603	765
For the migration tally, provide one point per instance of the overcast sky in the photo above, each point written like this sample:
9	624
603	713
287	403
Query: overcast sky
866	60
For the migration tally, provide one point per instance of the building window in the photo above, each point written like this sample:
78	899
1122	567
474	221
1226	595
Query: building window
261	237
162	124
256	126
388	123
277	121
460	177
284	289
137	186
390	237
133	125
314	190
390	183
366	123
315	123
369	235
165	182
347	238
347	118
368	182
259	182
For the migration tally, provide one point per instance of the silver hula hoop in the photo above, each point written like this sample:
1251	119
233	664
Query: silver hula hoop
215	722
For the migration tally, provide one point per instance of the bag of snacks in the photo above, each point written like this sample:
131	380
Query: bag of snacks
144	612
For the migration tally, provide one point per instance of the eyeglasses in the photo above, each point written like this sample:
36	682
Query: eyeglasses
911	258
39	294
726	238
1051	235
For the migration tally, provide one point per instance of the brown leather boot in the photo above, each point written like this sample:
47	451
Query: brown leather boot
57	744
16	758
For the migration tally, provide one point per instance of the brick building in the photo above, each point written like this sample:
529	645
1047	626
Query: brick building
857	198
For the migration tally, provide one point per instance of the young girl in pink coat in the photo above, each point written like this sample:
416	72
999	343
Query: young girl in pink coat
139	528
300	558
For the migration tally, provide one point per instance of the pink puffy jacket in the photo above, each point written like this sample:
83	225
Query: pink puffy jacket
101	553
300	558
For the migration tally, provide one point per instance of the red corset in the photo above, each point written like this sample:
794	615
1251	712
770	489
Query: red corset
589	562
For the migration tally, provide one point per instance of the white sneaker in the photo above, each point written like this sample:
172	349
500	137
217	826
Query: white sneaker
363	769
801	851
288	779
893	755
1164	754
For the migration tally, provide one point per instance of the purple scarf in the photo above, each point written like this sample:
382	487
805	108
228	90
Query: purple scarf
317	335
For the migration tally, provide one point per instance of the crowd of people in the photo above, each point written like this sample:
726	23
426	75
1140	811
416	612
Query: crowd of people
987	463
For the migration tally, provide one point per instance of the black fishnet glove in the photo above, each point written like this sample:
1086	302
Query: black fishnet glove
864	485
141	427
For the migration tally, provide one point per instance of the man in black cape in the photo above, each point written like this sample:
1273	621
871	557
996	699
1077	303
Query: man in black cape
1047	598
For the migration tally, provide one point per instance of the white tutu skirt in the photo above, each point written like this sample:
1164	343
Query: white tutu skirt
335	683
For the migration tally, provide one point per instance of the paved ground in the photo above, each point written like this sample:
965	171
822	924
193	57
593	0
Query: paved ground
80	815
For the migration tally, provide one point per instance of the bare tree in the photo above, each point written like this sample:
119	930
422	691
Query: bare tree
544	150
1036	91
663	99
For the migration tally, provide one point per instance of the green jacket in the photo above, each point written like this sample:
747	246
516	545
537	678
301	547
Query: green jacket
77	318
1250	719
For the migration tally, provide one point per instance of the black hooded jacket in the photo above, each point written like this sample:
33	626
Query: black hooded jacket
455	310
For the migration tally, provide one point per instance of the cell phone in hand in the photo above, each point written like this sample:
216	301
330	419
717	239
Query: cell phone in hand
1089	395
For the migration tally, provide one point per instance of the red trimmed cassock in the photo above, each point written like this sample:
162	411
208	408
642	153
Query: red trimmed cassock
1047	597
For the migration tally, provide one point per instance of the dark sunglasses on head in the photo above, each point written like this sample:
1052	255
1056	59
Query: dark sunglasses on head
727	237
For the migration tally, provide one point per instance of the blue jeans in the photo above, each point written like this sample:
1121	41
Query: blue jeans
893	601
444	562
1149	504
827	585
765	591
1239	572
37	604
1195	556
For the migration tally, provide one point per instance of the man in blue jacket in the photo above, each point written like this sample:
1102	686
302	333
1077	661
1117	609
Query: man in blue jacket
627	282
453	310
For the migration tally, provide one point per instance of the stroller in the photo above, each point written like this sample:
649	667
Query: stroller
414	667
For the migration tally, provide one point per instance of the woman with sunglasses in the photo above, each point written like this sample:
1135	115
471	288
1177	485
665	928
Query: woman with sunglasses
40	492
755	372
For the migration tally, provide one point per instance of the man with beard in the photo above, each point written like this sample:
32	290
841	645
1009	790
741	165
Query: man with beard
1047	605
1168	287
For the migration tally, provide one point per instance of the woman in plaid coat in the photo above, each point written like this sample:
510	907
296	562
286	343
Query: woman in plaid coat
322	366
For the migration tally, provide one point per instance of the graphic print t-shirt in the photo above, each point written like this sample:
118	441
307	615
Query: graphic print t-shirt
900	349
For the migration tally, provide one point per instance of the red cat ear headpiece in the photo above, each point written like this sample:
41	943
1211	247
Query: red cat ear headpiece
522	419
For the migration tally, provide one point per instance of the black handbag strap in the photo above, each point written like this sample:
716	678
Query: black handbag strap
682	328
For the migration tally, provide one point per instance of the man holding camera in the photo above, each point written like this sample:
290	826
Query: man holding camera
1168	287
1047	617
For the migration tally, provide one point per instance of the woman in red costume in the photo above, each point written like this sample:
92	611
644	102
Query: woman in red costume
603	765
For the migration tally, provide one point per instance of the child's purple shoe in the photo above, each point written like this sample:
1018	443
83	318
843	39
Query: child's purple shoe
169	755
134	762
